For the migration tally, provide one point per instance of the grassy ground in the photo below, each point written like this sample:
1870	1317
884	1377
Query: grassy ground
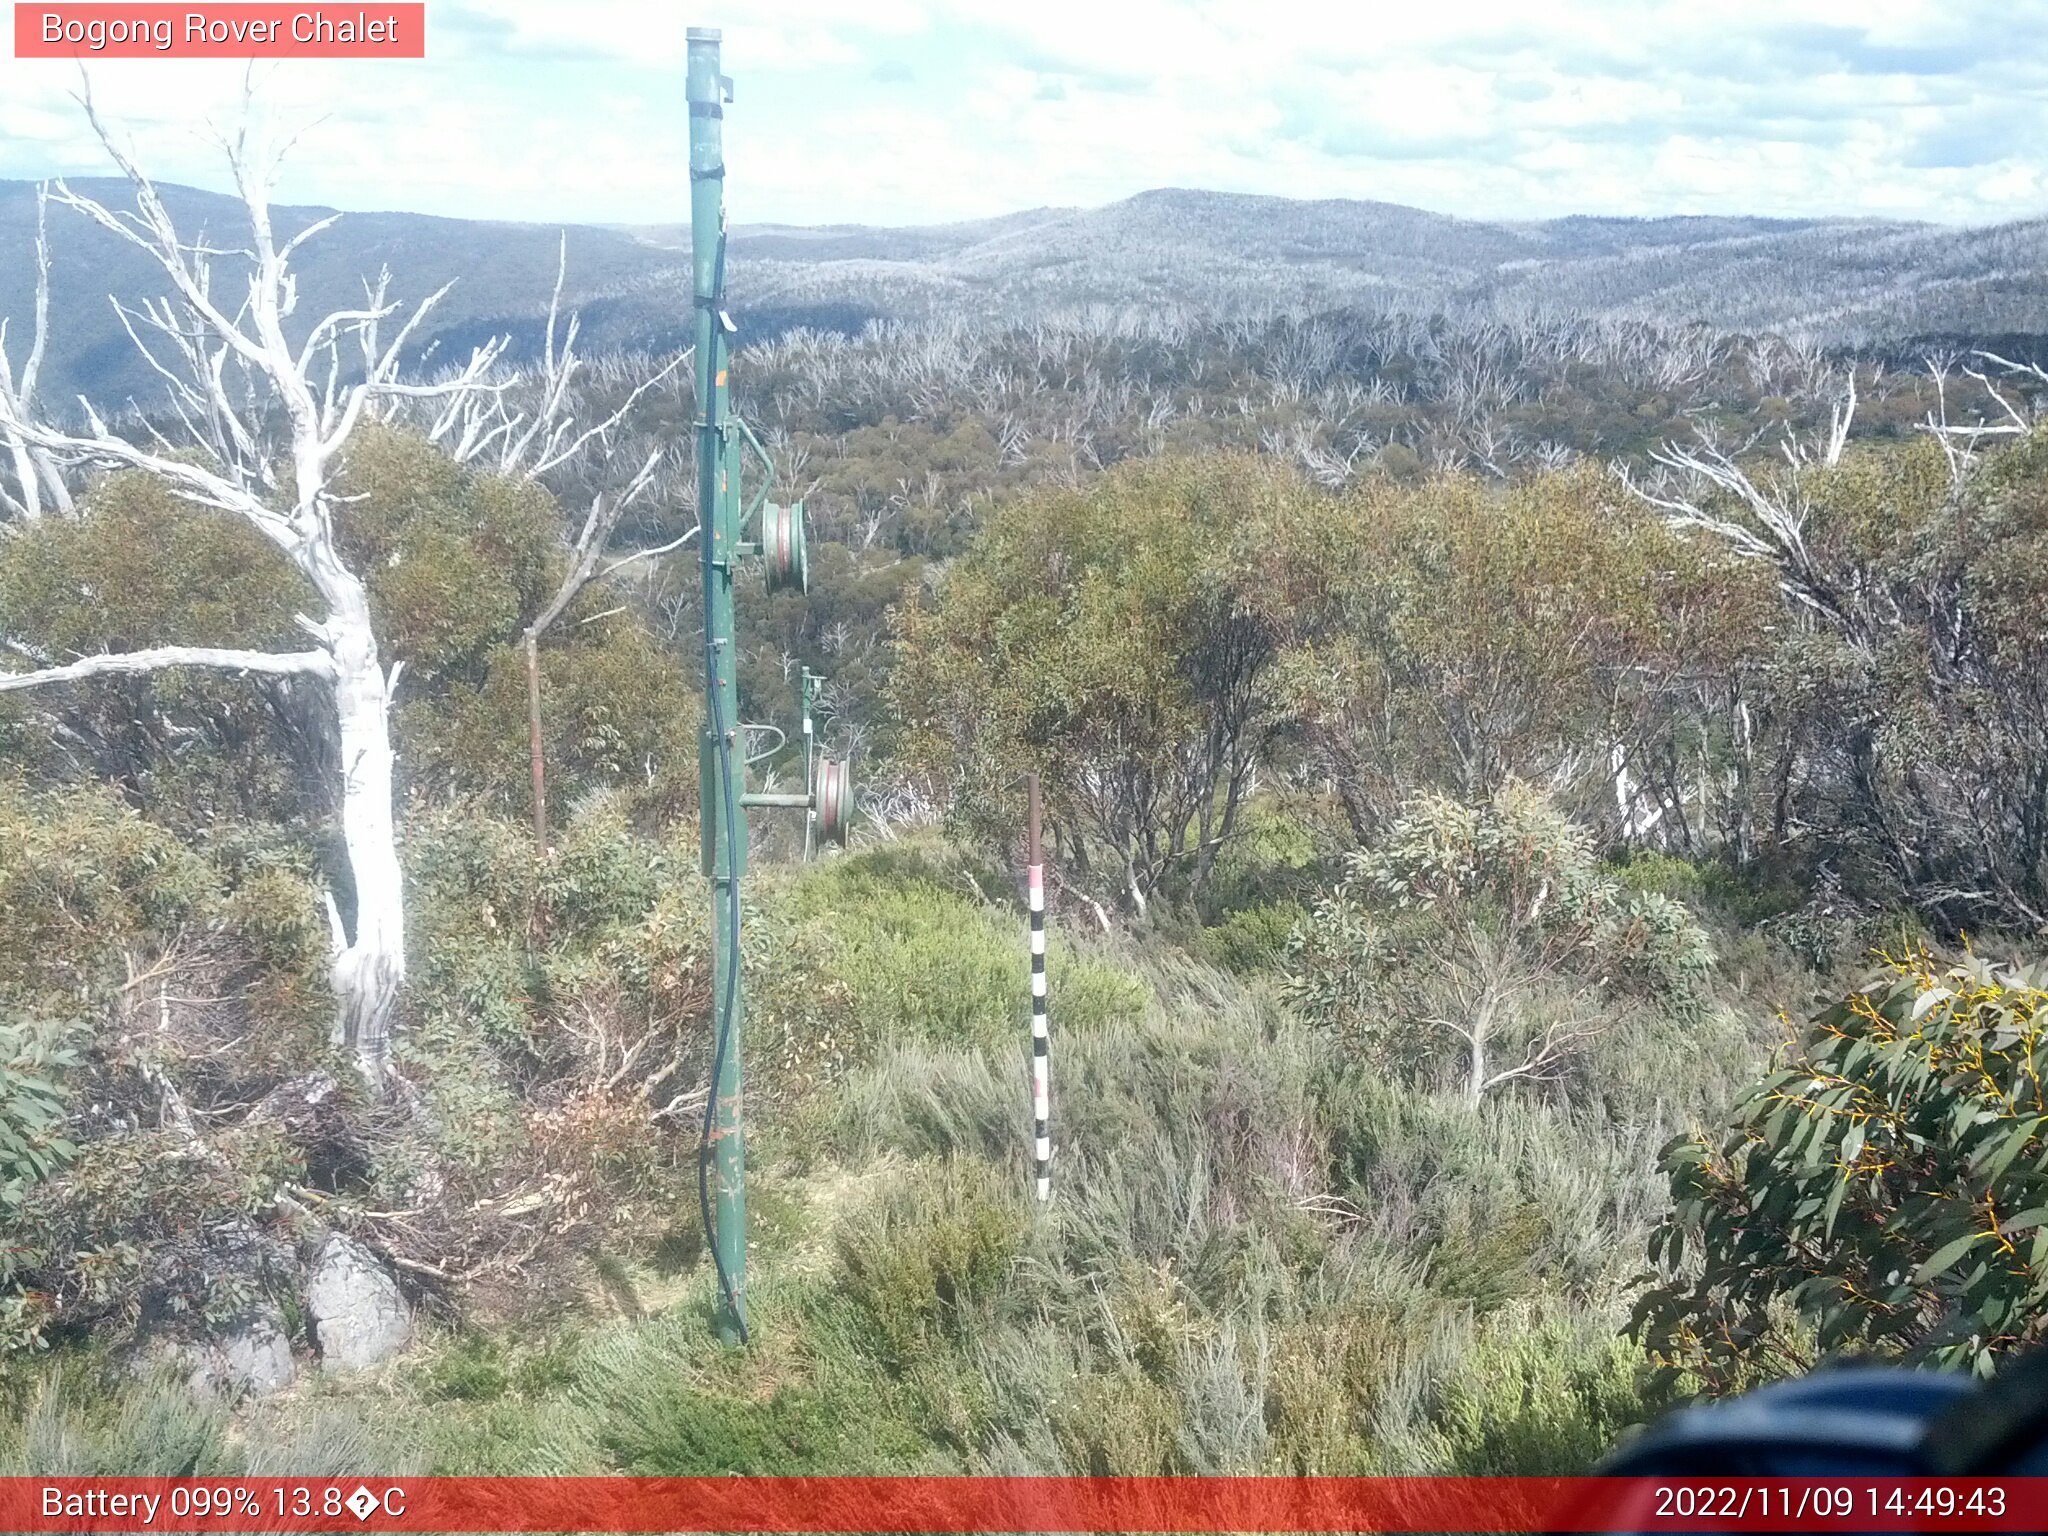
1261	1257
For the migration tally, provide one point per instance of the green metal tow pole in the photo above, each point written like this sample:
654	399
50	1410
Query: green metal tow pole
721	749
724	1165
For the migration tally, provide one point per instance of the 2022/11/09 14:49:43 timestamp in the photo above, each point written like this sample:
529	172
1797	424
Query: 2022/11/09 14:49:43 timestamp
1816	1502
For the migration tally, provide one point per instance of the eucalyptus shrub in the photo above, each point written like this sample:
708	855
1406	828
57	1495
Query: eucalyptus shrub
1883	1191
1488	942
33	1057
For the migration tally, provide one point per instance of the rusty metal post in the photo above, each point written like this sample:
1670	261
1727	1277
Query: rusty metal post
534	749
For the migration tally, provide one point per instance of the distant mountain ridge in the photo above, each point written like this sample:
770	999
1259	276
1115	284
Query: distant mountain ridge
1848	281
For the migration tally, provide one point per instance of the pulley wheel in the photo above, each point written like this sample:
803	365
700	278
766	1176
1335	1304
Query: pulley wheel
783	548
835	800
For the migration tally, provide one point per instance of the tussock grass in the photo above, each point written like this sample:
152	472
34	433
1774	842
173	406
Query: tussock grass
1262	1256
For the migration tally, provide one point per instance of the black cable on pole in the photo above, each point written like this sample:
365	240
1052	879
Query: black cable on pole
732	975
708	516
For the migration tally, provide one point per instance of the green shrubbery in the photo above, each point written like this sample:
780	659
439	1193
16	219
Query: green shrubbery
926	955
1353	1153
1884	1190
85	881
1259	1259
141	568
161	982
928	1265
1541	1397
1487	944
34	1058
557	1006
148	1230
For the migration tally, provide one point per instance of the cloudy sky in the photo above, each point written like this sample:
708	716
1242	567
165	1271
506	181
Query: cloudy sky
909	111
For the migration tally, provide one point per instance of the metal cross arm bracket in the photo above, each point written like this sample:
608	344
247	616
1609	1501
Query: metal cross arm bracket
830	797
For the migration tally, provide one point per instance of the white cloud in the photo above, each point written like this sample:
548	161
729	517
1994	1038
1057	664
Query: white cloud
913	110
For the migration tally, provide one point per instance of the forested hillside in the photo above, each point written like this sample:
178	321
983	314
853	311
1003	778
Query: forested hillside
1202	256
1522	795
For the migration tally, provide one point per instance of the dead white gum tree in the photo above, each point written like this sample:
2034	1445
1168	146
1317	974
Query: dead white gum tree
270	420
38	483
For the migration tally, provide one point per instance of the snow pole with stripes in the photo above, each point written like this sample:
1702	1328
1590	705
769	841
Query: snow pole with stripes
1041	1035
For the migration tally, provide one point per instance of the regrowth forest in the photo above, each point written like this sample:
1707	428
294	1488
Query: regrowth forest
1547	838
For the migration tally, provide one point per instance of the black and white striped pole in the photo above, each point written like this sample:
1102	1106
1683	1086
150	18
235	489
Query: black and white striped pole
1041	1036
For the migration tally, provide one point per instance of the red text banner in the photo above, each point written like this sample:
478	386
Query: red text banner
1003	1504
222	31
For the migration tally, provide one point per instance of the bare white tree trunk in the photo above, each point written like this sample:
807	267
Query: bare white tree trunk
1475	1073
279	478
1134	886
370	968
36	478
1637	822
1624	791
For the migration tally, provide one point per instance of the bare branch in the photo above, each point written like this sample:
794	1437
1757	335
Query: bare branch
650	554
25	386
563	454
272	663
188	480
596	533
2030	370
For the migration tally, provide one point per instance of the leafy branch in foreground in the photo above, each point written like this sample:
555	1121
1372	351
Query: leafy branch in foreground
32	1142
1885	1191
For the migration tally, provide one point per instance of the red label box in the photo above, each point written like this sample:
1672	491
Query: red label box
926	1506
377	30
